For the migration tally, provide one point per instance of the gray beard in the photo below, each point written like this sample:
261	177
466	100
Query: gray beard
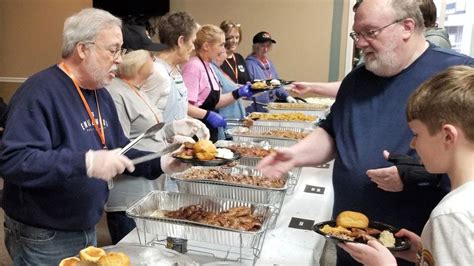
384	65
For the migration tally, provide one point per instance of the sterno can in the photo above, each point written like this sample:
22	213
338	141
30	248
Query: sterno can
178	244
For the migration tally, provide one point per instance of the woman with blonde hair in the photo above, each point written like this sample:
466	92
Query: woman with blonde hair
204	88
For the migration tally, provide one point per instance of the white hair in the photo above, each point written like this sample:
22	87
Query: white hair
84	27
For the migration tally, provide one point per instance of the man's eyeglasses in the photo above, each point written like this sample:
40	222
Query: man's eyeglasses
115	52
370	34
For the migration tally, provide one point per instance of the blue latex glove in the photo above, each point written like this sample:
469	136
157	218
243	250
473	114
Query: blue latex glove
243	91
215	119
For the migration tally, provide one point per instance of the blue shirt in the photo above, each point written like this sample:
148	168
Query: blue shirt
369	117
42	157
258	71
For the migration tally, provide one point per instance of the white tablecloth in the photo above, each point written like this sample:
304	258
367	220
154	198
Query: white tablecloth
282	245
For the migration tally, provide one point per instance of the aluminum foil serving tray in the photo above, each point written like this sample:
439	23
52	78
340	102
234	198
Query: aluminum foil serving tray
244	134
141	211
287	123
244	192
294	174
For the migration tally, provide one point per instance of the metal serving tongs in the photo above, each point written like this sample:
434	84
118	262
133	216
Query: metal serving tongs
246	122
154	155
148	133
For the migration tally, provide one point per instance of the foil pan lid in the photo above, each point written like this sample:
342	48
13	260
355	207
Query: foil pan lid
151	255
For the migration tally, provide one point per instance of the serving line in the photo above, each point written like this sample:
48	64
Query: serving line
311	202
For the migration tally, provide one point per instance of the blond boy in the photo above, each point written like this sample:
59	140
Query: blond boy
440	114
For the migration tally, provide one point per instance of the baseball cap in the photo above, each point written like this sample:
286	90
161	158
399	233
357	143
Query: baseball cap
135	38
262	37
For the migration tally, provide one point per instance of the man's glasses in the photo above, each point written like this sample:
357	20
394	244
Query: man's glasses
115	52
370	34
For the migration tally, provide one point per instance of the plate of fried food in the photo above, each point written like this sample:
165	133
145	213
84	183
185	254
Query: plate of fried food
269	84
205	153
353	226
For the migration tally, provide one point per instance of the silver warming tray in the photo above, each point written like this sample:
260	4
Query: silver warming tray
294	174
222	189
245	134
286	123
142	210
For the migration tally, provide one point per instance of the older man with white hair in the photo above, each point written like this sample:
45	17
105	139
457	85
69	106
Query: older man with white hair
60	146
368	118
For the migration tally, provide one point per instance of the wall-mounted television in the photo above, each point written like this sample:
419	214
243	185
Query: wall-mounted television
125	8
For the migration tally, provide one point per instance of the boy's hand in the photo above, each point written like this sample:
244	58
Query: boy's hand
415	245
372	254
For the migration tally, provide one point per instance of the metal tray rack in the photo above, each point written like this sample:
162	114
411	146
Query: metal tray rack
248	193
141	211
294	174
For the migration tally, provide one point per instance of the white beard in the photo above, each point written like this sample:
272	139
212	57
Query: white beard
98	75
383	63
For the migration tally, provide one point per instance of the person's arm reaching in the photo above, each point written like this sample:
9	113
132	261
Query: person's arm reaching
329	89
315	149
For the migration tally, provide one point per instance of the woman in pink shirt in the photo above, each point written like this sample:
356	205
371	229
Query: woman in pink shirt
204	88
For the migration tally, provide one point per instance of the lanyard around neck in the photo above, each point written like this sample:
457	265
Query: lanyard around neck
234	68
134	88
99	130
266	68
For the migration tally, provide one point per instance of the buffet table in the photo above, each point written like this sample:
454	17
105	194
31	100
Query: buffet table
291	241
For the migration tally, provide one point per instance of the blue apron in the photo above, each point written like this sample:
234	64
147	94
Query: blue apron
177	104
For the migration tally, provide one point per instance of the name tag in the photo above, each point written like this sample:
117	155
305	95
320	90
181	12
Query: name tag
178	80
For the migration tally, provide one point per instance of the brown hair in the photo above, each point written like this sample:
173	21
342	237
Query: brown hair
428	9
447	97
228	25
207	33
175	24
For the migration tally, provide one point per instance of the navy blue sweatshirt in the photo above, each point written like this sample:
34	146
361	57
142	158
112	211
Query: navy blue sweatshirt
369	117
42	157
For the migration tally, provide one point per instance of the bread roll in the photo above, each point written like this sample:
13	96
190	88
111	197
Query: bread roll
114	259
71	261
205	150
91	254
350	219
